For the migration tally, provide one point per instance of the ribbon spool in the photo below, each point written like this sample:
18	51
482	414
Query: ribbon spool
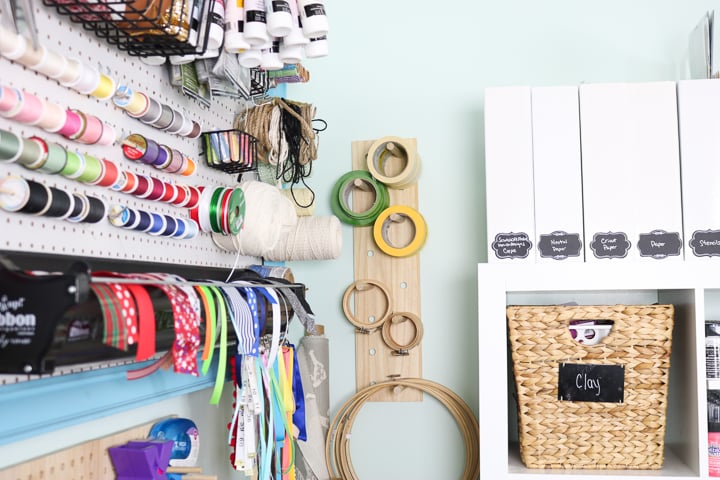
396	317
364	285
220	210
396	214
340	198
383	156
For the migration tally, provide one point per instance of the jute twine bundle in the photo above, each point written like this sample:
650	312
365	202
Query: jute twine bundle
591	435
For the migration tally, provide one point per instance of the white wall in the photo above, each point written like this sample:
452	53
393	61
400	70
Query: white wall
418	69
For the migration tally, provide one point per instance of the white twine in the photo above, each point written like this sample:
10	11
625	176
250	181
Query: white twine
313	238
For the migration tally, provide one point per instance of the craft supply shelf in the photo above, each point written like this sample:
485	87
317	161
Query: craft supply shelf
693	289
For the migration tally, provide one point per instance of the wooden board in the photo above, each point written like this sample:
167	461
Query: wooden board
374	361
86	461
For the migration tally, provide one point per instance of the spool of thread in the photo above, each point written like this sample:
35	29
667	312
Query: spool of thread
176	162
138	148
9	101
92	171
88	82
144	221
93	130
72	74
53	117
73	124
187	127
43	155
32	57
157	225
194	194
62	204
52	66
96	212
10	146
109	136
74	165
39	200
30	109
153	112
110	174
30	152
164	158
177	122
83	125
189	167
182	196
135	103
142	187
167	115
279	17
81	207
12	45
105	89
157	189
170	193
56	159
14	193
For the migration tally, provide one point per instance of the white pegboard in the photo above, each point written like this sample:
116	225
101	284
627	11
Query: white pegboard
27	233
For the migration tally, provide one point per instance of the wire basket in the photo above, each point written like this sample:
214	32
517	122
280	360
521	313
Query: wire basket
230	151
557	433
143	27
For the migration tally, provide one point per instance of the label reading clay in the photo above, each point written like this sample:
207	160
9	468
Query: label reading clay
559	245
512	245
610	245
659	244
705	243
591	383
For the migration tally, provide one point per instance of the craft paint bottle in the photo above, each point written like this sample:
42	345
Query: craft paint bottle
216	25
235	27
256	33
279	17
313	18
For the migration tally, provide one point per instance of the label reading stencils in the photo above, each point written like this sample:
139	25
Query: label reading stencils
705	243
591	383
610	245
659	244
559	245
512	245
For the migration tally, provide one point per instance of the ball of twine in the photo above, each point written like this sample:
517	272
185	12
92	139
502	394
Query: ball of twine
313	238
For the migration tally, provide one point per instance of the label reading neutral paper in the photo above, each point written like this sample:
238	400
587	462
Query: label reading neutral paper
512	245
559	245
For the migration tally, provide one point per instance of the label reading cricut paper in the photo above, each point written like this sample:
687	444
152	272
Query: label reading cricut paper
610	245
512	245
591	383
659	244
559	245
705	243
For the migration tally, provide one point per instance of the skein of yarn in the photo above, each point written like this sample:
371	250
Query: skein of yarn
313	238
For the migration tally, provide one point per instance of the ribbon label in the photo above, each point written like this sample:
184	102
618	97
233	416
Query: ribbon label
705	243
591	383
610	245
559	245
512	245
16	327
659	244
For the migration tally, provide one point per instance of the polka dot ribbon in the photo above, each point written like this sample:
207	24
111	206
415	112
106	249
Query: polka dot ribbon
119	314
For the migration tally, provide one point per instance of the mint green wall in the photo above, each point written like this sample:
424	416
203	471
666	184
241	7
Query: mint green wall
418	69
410	69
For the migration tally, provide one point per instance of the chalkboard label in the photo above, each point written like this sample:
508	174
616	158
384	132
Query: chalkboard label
705	243
659	244
559	245
591	383
610	245
512	245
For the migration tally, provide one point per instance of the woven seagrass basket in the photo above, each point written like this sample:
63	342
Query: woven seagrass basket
557	433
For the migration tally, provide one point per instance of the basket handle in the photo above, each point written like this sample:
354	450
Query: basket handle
590	332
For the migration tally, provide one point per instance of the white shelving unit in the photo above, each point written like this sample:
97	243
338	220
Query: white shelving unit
694	290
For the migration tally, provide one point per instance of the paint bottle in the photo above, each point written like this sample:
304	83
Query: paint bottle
234	27
279	17
313	18
256	33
